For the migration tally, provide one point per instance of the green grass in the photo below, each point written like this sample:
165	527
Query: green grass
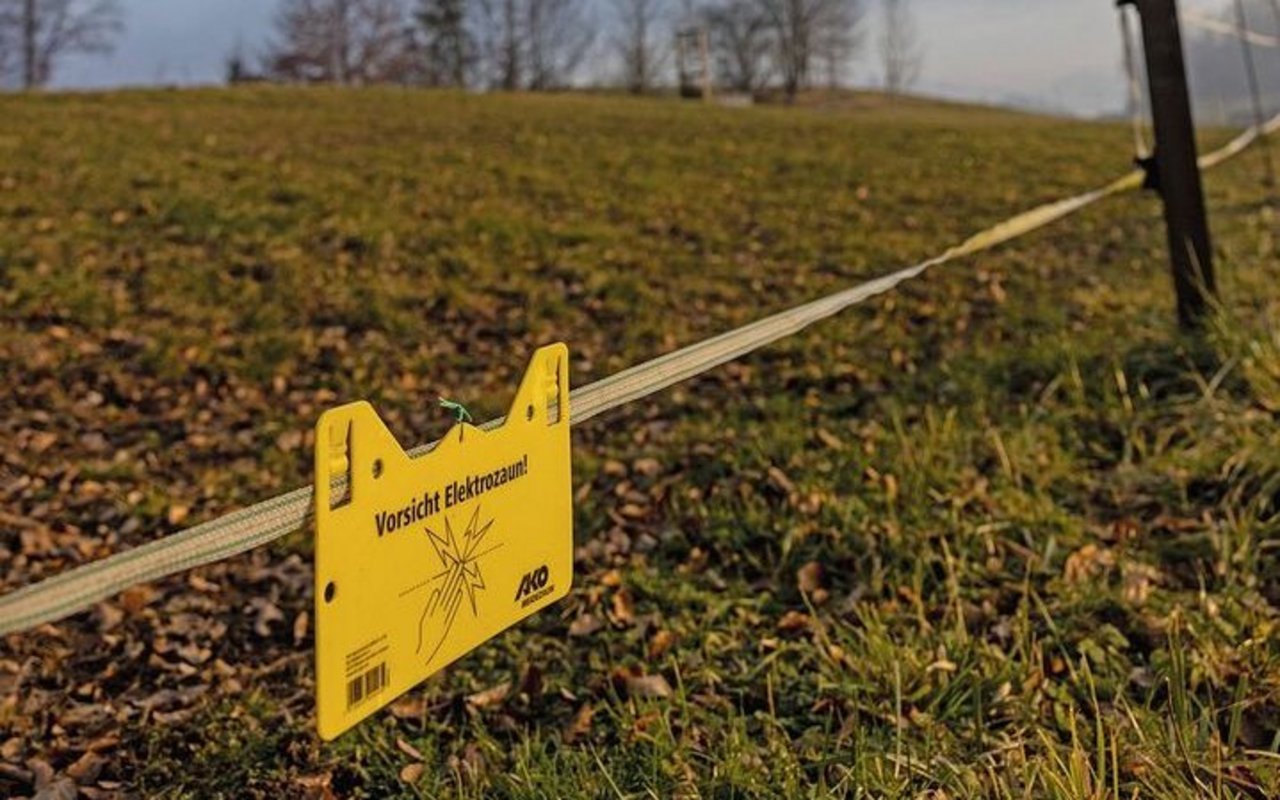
1045	520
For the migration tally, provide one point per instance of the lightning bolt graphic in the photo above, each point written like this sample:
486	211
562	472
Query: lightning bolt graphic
459	578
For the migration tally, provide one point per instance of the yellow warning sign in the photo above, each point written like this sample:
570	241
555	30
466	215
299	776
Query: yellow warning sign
419	561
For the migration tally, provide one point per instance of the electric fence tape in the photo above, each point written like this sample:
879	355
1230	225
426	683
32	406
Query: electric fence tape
1227	29
80	588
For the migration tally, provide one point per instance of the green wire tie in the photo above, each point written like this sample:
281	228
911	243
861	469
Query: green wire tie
459	411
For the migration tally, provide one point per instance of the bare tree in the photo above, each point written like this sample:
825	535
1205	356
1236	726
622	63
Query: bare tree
558	37
34	34
740	44
531	44
798	29
838	42
510	49
636	44
495	24
238	68
450	50
900	49
341	41
10	24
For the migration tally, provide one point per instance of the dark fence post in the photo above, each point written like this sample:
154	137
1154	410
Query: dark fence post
1174	171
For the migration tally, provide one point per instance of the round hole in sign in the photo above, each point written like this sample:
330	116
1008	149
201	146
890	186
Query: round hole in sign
529	412
329	591
377	468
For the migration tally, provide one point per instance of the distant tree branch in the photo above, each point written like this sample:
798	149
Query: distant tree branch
740	44
900	49
805	31
35	34
637	42
342	41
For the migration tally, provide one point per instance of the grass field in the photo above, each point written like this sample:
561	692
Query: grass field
1002	533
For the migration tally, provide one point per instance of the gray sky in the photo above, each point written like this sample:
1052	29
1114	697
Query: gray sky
1061	54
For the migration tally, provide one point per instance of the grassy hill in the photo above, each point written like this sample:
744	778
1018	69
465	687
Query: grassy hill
1002	533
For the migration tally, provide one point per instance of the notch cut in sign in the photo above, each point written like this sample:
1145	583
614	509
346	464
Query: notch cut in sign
421	560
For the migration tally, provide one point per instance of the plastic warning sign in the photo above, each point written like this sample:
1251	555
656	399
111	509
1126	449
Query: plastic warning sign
419	561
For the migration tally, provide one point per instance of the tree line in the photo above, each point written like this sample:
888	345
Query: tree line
746	46
750	45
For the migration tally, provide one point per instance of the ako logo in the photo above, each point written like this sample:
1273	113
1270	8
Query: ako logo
534	586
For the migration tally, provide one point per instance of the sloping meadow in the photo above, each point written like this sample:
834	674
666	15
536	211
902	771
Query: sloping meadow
1004	532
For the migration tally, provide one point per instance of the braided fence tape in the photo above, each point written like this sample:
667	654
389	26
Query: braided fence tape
80	588
1223	28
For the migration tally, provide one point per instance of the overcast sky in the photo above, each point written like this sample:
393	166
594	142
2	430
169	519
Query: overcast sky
1062	54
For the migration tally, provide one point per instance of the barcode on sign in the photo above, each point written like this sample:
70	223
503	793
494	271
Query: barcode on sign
366	684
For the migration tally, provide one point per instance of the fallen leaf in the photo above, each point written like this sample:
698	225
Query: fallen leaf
793	621
581	724
490	697
646	466
60	789
268	613
15	773
623	608
42	772
644	722
317	787
108	616
1138	580
890	488
136	598
409	707
11	749
779	479
632	511
584	625
178	513
86	768
194	654
289	440
652	686
660	643
997	292
201	585
41	441
1088	562
409	750
829	439
809	577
